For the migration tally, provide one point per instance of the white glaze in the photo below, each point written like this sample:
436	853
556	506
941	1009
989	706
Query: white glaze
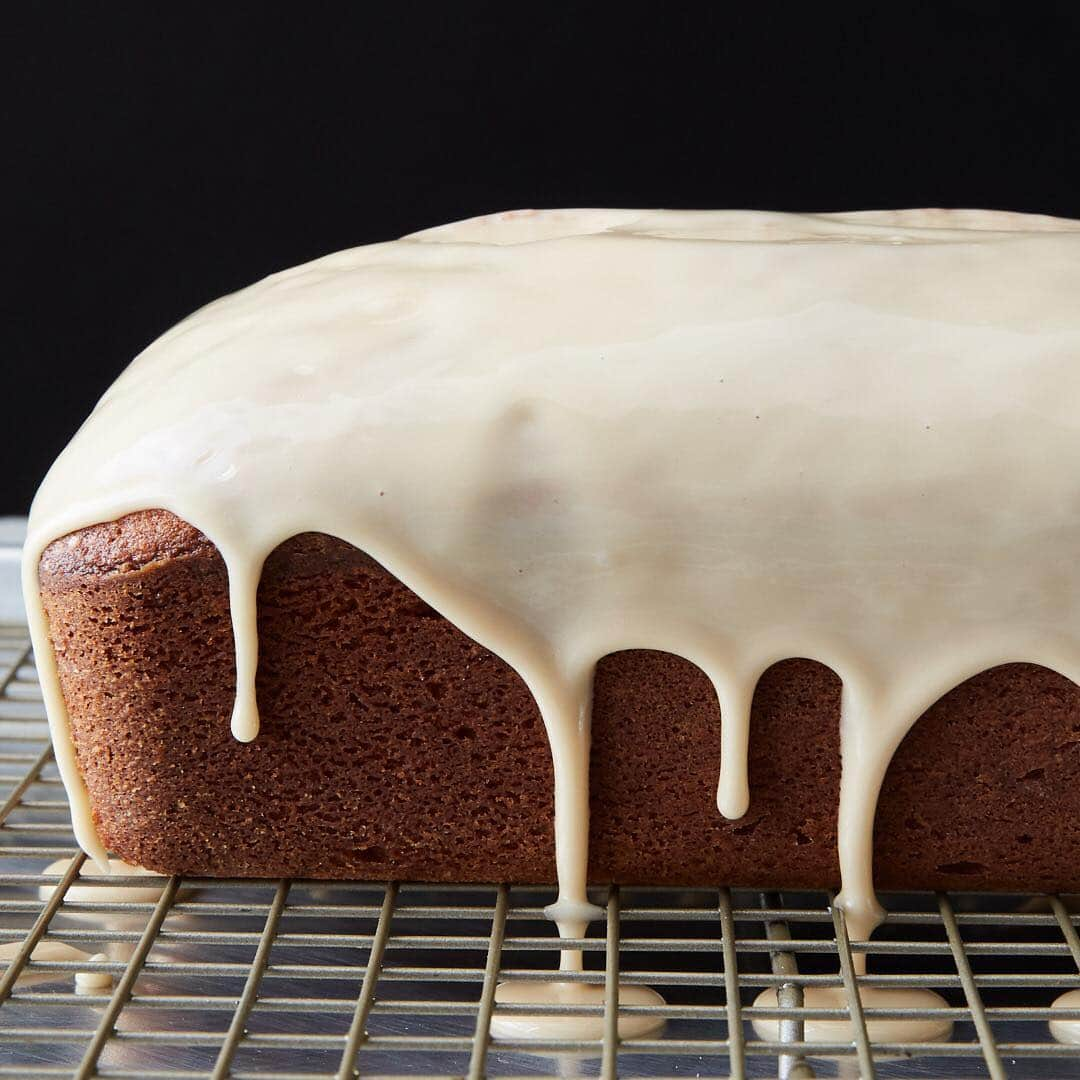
48	952
1066	1031
736	436
541	1026
104	894
101	894
878	1029
88	982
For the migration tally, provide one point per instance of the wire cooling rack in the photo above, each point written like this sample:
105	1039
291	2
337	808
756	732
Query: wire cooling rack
216	978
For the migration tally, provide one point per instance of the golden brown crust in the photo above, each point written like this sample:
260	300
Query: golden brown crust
391	745
131	543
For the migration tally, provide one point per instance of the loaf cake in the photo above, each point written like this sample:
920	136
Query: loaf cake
484	554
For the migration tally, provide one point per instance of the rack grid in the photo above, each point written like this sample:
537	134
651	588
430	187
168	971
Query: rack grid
200	977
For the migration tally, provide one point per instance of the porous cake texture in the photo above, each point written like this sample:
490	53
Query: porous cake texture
393	746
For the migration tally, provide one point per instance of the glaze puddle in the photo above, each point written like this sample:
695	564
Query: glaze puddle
1067	1031
543	1027
872	997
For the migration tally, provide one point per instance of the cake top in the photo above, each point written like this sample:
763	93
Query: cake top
736	436
493	309
752	226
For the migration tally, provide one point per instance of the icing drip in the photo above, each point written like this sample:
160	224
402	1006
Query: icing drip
244	574
734	436
735	697
565	707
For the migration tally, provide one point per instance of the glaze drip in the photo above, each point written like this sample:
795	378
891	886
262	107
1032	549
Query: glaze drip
734	436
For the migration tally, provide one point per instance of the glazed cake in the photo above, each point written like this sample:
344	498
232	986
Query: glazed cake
589	546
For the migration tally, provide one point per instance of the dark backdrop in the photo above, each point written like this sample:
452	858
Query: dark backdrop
156	156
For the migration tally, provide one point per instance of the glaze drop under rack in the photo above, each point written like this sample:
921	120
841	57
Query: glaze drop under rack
218	978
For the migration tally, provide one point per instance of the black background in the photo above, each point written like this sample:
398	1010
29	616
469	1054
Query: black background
156	156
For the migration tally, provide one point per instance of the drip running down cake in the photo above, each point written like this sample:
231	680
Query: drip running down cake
589	546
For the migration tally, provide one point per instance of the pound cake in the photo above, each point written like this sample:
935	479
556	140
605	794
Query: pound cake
589	546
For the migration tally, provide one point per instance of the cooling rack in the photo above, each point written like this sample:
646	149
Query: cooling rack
215	978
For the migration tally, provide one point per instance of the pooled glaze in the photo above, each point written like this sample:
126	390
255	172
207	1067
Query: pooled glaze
104	894
583	1026
734	436
52	951
878	1029
577	1027
1066	1031
89	982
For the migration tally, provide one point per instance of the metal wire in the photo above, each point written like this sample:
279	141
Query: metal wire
357	1031
867	1070
251	987
482	1035
219	978
609	1061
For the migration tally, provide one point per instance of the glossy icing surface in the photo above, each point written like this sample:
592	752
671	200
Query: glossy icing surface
736	436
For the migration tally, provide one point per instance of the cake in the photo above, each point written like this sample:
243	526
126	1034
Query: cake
585	546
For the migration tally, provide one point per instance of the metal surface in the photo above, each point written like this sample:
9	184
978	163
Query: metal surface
218	978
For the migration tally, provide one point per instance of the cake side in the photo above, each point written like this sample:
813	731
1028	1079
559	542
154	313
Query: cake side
984	792
655	754
364	690
393	746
